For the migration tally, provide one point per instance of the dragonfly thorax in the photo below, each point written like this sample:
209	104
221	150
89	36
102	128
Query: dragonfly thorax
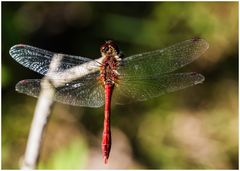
108	70
110	63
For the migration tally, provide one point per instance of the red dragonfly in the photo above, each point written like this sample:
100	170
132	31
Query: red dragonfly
138	77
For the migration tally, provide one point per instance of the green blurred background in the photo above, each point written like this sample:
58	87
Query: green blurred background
195	128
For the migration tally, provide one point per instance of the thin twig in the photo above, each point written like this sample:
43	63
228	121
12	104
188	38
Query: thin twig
45	102
41	114
59	79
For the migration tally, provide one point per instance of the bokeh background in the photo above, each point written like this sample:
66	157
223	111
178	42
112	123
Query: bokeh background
195	128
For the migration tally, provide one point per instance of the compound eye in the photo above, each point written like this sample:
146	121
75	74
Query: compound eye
106	49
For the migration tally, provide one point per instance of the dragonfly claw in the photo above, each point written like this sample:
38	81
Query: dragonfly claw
116	72
118	58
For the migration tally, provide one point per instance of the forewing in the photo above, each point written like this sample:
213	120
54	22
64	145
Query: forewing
82	92
129	90
163	61
39	60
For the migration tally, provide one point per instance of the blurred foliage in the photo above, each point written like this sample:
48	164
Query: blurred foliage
77	157
196	128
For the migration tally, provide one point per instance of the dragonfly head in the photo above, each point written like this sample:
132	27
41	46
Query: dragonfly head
109	48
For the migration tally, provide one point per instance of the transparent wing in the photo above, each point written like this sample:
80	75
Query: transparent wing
163	61
140	89
83	92
39	60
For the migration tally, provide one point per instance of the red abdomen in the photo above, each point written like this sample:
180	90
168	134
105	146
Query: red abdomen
106	137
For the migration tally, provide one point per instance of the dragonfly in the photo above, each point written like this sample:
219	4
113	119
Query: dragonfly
119	79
